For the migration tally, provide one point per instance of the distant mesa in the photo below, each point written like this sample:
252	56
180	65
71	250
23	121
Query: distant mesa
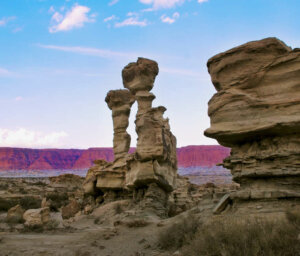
77	159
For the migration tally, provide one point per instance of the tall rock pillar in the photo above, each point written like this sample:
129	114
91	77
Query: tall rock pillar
155	158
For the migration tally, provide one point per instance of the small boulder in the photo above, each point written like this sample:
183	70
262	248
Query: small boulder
70	210
37	217
15	214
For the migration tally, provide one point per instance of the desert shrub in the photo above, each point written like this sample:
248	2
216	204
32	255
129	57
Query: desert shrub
137	223
51	225
57	200
34	228
5	205
14	220
294	218
22	191
118	209
4	186
179	234
247	238
97	220
29	202
39	183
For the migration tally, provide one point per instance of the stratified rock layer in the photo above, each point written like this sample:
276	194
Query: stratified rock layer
155	157
155	160
256	112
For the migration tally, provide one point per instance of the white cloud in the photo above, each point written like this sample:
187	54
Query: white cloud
88	51
112	17
17	29
26	138
5	20
132	21
4	72
162	4
19	98
112	2
202	1
170	20
51	9
75	18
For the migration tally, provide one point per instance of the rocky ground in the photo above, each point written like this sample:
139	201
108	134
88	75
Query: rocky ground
52	217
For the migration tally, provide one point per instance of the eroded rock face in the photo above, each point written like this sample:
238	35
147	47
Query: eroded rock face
15	214
37	217
155	158
256	112
120	102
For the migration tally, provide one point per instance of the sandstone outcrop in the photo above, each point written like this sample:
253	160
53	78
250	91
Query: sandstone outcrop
70	210
154	163
255	112
15	214
36	217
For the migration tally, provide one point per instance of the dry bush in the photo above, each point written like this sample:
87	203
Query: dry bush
248	238
136	223
118	209
29	202
4	186
179	234
57	200
5	204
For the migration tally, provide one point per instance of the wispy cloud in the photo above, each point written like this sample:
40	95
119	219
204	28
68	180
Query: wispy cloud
170	20
19	98
202	1
5	20
132	21
161	4
110	18
88	51
75	18
26	138
4	72
112	2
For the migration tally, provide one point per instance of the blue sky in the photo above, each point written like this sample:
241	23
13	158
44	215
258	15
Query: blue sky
59	58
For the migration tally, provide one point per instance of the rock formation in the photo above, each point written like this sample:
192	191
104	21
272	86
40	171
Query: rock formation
154	161
155	158
256	112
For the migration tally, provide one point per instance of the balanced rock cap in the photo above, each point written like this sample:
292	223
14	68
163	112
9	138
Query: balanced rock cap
140	75
116	98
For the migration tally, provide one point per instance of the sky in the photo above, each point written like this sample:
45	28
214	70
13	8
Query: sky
59	58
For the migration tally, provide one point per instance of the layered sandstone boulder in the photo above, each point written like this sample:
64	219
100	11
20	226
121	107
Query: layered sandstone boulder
37	217
256	112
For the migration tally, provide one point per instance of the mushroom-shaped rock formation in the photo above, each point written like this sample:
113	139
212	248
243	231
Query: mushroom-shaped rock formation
154	161
256	112
155	158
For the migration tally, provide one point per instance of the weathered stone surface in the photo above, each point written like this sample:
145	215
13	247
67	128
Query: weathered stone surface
140	75
120	102
256	112
15	214
36	217
155	158
70	210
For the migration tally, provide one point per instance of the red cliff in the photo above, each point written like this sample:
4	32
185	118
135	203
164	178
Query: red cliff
67	159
